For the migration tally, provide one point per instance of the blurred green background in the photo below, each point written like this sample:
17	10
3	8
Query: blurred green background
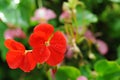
105	21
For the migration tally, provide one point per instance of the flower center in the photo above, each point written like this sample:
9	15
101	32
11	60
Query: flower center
26	51
47	43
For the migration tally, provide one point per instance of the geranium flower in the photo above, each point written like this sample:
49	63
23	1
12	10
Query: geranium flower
48	46
43	14
18	57
14	33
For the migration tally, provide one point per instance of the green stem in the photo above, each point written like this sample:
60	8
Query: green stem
71	30
66	29
75	21
40	4
74	17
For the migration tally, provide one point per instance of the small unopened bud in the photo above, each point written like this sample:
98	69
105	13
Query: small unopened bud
91	56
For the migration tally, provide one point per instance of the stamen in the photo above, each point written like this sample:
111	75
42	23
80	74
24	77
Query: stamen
47	43
26	51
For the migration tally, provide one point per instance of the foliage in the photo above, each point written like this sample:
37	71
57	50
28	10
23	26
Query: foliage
86	22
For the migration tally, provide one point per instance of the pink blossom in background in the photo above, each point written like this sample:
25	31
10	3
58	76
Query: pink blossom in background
43	15
65	15
82	78
102	47
14	33
90	36
69	53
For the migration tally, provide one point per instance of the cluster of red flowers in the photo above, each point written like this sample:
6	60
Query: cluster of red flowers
48	46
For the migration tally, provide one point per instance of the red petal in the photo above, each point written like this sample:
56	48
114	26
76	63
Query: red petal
28	63
57	49
37	39
55	57
46	28
14	59
14	45
41	54
58	42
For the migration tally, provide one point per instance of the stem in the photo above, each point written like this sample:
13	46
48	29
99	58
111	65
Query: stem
75	21
66	29
77	49
74	17
40	4
71	30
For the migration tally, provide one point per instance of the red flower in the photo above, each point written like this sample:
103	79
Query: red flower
48	46
18	57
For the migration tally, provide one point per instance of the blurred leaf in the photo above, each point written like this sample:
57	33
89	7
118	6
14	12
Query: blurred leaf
2	47
27	10
107	70
118	52
85	17
19	13
67	73
115	28
118	55
86	71
36	74
116	1
4	4
111	16
56	1
1	73
16	74
53	22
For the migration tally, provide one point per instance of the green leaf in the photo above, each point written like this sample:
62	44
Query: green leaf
86	71
26	11
67	73
115	28
116	1
4	4
1	73
118	52
19	14
118	55
107	70
85	17
2	47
